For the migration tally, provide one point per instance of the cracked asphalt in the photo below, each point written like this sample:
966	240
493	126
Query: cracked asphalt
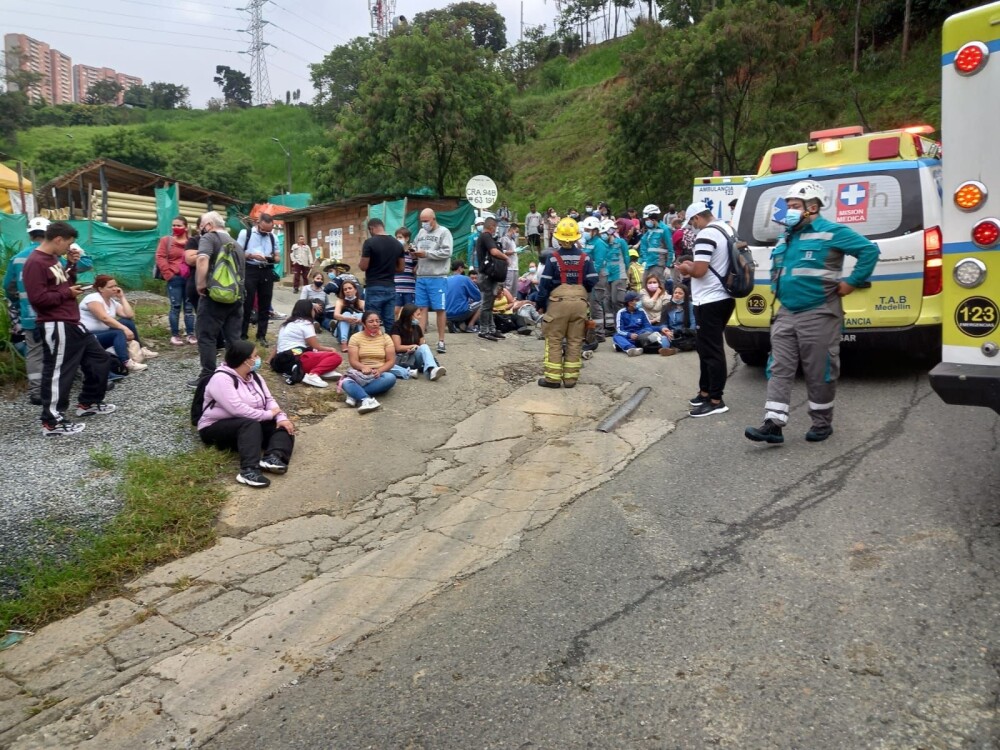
714	593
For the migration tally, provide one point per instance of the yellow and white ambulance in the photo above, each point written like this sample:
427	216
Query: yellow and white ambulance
969	372
887	187
718	191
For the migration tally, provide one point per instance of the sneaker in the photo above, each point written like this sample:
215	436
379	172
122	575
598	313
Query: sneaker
192	339
698	399
62	427
331	375
548	383
585	354
85	410
634	351
261	341
769	432
311	378
488	336
350	401
253	478
413	372
452	328
818	434
708	408
525	331
436	372
441	348
149	353
178	341
133	366
471	329
668	352
369	404
273	464
498	336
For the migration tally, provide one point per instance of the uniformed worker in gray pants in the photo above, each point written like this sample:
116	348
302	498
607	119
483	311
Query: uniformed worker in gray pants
806	267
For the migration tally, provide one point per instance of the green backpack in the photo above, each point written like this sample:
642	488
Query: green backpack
224	274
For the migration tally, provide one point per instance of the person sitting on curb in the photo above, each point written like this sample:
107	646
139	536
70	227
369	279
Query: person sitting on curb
239	413
347	312
372	355
677	321
412	351
463	301
297	343
635	334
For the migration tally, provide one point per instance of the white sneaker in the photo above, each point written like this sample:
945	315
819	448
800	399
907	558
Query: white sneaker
149	353
369	404
436	372
331	375
350	401
634	351
311	378
133	366
414	373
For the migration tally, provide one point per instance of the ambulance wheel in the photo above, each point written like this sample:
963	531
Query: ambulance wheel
754	358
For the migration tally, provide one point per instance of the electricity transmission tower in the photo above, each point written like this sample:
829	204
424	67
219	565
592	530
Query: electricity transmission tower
382	13
258	63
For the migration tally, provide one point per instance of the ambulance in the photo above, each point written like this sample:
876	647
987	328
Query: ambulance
969	372
718	191
886	186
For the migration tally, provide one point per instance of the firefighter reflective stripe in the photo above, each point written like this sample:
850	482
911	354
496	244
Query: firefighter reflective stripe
776	412
820	407
819	273
816	236
552	366
564	320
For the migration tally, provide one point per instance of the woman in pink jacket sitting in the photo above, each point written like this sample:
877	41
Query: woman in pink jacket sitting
239	413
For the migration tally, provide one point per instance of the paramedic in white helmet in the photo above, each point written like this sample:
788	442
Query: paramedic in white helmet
807	267
656	251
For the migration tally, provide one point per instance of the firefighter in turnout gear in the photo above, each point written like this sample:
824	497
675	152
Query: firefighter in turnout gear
563	292
807	267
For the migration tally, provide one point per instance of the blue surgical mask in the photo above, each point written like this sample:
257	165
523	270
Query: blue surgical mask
331	275
256	365
604	236
426	225
792	217
649	223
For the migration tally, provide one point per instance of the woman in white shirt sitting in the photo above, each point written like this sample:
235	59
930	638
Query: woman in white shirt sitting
108	315
297	342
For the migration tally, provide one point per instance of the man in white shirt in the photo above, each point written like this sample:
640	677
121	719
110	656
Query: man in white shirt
533	228
712	306
301	259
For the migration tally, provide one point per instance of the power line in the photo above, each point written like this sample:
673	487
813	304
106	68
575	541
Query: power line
160	5
49	31
272	23
292	54
123	26
310	21
128	15
291	73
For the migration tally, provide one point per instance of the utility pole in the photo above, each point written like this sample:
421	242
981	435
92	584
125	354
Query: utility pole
258	63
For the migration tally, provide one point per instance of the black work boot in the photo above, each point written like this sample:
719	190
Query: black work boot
818	434
769	432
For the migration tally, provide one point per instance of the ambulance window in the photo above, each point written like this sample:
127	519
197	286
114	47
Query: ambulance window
875	204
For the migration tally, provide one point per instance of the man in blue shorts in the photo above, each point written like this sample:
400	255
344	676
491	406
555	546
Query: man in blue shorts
433	253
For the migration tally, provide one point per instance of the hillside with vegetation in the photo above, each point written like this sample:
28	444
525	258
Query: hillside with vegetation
628	121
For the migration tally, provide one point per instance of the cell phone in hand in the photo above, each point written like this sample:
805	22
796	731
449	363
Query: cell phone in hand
86	287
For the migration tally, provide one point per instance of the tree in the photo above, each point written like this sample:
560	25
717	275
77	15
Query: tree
432	110
129	147
169	95
715	95
59	158
484	22
105	91
337	78
207	164
236	87
138	96
15	114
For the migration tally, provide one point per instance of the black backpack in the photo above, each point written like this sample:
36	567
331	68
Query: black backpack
198	404
288	365
739	279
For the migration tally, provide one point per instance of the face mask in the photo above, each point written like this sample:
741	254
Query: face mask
319	282
531	269
350	298
331	275
589	209
179	231
426	225
792	217
678	300
651	288
256	365
649	223
203	231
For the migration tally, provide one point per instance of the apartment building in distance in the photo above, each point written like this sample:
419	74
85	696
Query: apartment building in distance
61	82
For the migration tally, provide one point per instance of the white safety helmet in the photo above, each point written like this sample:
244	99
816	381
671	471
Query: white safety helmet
38	224
649	210
590	223
608	226
808	190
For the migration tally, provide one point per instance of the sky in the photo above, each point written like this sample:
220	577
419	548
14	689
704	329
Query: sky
181	41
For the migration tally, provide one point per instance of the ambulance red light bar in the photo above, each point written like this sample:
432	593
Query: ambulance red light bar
971	58
883	148
986	233
784	161
919	129
847	132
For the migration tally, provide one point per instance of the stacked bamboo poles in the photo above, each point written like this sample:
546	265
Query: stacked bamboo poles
134	212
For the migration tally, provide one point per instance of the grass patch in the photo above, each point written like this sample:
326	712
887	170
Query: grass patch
151	318
102	458
167	515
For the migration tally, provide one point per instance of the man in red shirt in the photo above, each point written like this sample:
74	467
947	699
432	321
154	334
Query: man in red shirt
66	345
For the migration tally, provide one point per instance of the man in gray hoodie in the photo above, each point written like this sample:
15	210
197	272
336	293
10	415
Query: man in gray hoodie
433	253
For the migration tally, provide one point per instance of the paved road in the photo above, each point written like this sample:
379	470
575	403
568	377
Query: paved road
716	593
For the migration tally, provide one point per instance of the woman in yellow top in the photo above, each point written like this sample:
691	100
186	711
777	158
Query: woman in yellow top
372	355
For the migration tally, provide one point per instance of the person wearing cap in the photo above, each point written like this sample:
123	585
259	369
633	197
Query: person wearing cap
566	281
338	273
807	266
617	265
67	346
434	245
634	271
712	306
17	300
471	261
634	334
